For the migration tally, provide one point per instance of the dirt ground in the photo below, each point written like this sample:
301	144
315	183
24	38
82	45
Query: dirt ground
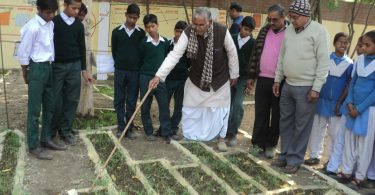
72	169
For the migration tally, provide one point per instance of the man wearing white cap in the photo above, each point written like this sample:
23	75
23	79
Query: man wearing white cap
303	62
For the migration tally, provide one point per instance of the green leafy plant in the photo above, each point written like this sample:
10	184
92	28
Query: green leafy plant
161	180
121	174
102	118
251	168
107	90
222	169
8	162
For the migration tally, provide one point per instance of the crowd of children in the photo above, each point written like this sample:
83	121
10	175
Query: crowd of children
52	57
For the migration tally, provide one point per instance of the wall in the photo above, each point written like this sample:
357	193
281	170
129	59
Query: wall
15	13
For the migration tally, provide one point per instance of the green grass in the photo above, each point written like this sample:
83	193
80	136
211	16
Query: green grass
107	90
251	168
8	162
102	118
222	170
121	174
201	182
161	180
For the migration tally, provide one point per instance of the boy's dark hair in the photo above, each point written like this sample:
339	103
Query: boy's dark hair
181	25
47	5
150	18
371	35
68	2
83	9
133	9
236	6
248	21
339	35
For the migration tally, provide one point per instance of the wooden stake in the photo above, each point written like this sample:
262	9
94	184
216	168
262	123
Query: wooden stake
122	135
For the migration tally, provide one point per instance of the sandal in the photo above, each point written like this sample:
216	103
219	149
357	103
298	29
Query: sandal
342	178
355	184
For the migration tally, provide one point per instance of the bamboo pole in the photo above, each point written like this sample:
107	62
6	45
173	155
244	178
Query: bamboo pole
3	74
122	135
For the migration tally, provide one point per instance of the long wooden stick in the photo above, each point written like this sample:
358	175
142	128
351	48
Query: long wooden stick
122	135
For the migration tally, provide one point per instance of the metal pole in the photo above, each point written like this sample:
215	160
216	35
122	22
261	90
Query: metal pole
3	73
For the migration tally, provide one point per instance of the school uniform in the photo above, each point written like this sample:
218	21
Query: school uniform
152	56
70	49
175	83
340	70
36	50
360	131
244	48
127	58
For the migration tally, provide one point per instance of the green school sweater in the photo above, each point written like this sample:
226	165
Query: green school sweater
180	71
243	54
125	49
69	41
152	56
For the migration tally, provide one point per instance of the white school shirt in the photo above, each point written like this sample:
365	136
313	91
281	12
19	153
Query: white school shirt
68	20
156	43
194	96
242	41
36	42
129	31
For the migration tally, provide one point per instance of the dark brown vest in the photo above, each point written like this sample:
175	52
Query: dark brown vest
220	69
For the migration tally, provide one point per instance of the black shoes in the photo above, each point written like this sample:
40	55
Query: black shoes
312	161
41	154
291	169
278	163
69	140
50	144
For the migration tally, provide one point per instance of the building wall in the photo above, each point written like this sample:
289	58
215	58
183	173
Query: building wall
335	21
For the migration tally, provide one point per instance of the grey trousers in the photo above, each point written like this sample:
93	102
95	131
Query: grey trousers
296	119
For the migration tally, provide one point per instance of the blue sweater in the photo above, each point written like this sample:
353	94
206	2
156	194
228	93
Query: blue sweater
338	78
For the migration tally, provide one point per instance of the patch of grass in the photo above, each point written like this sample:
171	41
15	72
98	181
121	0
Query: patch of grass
8	162
201	182
121	174
251	168
306	192
107	90
223	170
161	180
102	118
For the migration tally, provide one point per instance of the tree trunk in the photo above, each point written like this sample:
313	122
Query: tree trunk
366	24
86	101
354	14
186	12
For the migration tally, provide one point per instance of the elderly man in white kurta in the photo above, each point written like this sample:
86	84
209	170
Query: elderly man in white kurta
214	68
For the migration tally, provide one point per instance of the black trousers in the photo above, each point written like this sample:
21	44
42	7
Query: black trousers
267	115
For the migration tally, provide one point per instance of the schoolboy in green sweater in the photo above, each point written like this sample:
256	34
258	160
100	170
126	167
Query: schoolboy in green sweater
126	39
244	44
154	49
35	54
176	81
70	63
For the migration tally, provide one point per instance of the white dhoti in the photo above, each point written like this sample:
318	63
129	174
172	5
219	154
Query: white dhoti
205	114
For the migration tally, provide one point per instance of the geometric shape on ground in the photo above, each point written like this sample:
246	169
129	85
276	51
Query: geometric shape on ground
251	168
201	182
161	180
120	172
221	169
101	118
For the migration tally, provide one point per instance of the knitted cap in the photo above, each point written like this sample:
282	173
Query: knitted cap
301	7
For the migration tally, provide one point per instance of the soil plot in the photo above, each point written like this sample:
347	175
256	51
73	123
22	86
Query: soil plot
105	89
201	182
251	168
222	170
161	180
8	162
101	118
122	175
